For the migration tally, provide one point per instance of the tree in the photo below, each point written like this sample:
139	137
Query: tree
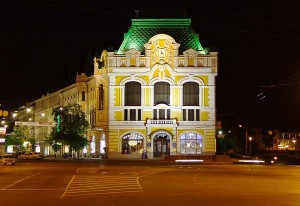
16	139
224	144
71	126
267	139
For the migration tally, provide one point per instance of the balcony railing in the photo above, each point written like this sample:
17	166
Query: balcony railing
161	122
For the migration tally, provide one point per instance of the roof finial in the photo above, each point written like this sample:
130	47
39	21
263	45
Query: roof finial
184	13
136	13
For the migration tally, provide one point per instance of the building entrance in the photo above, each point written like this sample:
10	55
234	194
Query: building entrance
161	145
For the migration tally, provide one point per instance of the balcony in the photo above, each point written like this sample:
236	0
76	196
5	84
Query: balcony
161	122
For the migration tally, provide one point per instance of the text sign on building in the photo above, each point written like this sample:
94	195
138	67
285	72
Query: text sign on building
45	124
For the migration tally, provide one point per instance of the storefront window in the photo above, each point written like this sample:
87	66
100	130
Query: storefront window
132	143
190	143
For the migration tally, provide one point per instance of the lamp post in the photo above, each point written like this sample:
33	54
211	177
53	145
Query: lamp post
246	138
250	138
294	141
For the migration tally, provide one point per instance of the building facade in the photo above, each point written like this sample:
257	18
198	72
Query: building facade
155	94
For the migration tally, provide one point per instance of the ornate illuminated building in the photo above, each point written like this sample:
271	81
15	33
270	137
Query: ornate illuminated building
155	93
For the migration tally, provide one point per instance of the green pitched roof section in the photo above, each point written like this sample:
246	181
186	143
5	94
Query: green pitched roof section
142	30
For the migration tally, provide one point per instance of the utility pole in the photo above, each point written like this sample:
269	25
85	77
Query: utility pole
246	133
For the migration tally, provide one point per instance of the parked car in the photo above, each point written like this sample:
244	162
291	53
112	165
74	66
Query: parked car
7	159
30	156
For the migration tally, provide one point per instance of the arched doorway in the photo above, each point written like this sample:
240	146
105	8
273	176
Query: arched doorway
161	145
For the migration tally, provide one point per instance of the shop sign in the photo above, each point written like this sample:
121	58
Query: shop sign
132	142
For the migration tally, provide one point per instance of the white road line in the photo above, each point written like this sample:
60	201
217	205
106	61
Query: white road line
91	185
67	187
19	181
35	189
81	185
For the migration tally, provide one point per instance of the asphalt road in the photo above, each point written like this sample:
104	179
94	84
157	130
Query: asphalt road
128	183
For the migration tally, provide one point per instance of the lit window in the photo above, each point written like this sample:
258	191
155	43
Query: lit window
132	143
191	143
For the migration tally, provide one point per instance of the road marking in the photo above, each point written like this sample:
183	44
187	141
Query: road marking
95	185
84	183
19	181
67	187
35	189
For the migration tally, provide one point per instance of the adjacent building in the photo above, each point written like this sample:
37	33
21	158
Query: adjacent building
155	94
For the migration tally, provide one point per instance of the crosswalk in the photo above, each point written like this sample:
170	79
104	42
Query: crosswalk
96	185
93	181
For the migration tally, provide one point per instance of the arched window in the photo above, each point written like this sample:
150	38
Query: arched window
191	143
190	94
162	93
132	94
132	143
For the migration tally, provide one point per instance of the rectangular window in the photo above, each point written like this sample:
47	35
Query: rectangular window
139	114
154	114
161	114
91	118
125	114
83	96
168	114
132	94
197	114
132	114
191	115
101	97
191	94
161	93
184	114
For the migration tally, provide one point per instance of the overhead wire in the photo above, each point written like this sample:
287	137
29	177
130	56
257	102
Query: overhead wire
268	91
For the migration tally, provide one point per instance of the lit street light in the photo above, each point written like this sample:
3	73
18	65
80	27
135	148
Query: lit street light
250	138
294	141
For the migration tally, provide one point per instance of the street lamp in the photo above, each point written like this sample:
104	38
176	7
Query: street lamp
220	133
246	138
294	141
250	138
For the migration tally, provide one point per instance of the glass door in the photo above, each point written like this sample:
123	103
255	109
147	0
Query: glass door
161	145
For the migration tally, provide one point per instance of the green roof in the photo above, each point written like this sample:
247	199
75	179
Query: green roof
142	30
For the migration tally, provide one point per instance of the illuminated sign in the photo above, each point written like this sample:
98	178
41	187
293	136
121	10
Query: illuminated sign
2	130
132	142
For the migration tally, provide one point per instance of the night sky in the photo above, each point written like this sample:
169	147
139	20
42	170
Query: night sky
44	43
